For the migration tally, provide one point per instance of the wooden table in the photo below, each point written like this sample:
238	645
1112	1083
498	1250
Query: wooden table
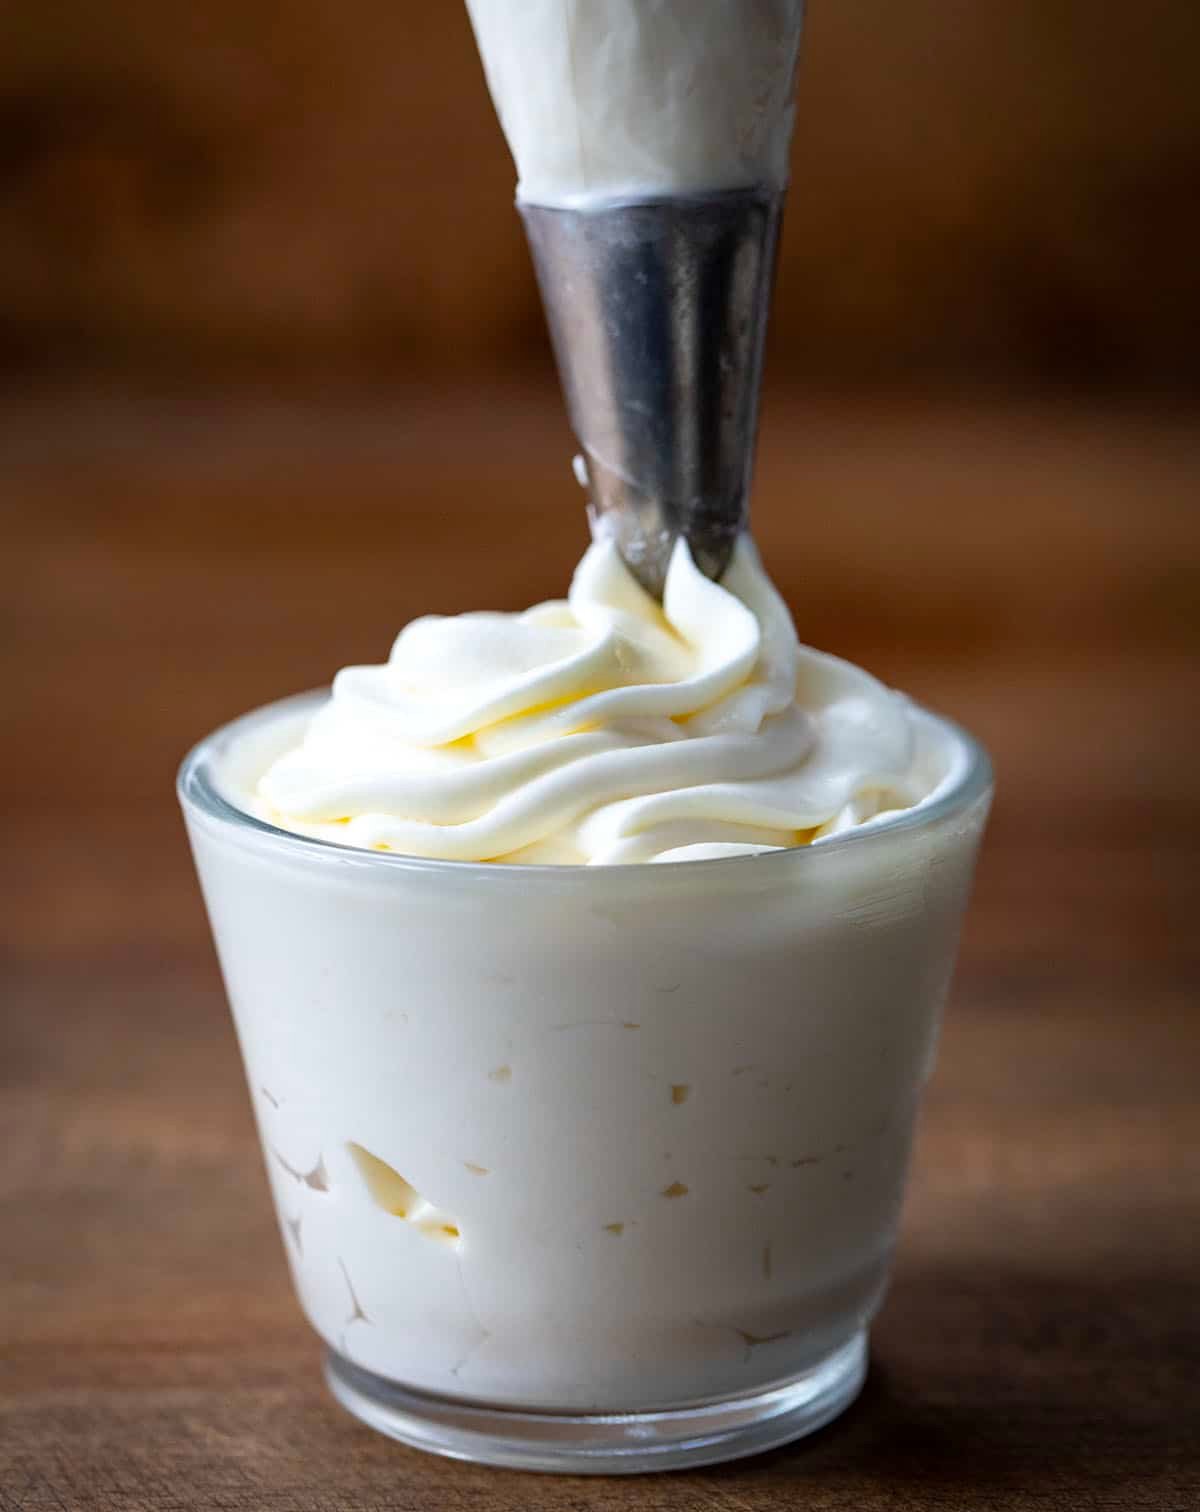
1029	568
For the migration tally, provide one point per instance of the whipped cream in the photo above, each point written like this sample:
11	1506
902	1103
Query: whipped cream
594	1139
607	729
612	98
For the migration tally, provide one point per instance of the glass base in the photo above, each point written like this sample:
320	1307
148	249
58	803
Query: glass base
605	1443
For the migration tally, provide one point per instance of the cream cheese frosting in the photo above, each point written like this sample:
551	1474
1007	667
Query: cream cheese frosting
607	729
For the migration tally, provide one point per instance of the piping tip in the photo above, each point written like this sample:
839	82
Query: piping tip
658	312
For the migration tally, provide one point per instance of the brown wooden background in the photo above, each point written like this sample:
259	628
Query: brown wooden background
274	381
1004	186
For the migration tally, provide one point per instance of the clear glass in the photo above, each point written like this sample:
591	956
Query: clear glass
585	1168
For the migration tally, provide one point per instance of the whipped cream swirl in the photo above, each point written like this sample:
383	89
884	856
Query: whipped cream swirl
606	728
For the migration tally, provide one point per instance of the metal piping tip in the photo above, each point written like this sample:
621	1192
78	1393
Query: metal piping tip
658	312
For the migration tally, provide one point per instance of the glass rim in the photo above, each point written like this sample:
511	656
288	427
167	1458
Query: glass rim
198	792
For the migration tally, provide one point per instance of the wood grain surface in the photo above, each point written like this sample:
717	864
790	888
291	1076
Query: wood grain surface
1030	569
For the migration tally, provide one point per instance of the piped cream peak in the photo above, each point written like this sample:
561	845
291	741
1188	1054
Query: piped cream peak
603	728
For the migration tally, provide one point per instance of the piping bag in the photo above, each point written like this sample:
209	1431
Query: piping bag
651	143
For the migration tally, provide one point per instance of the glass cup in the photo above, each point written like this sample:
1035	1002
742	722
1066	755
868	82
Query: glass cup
585	1168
